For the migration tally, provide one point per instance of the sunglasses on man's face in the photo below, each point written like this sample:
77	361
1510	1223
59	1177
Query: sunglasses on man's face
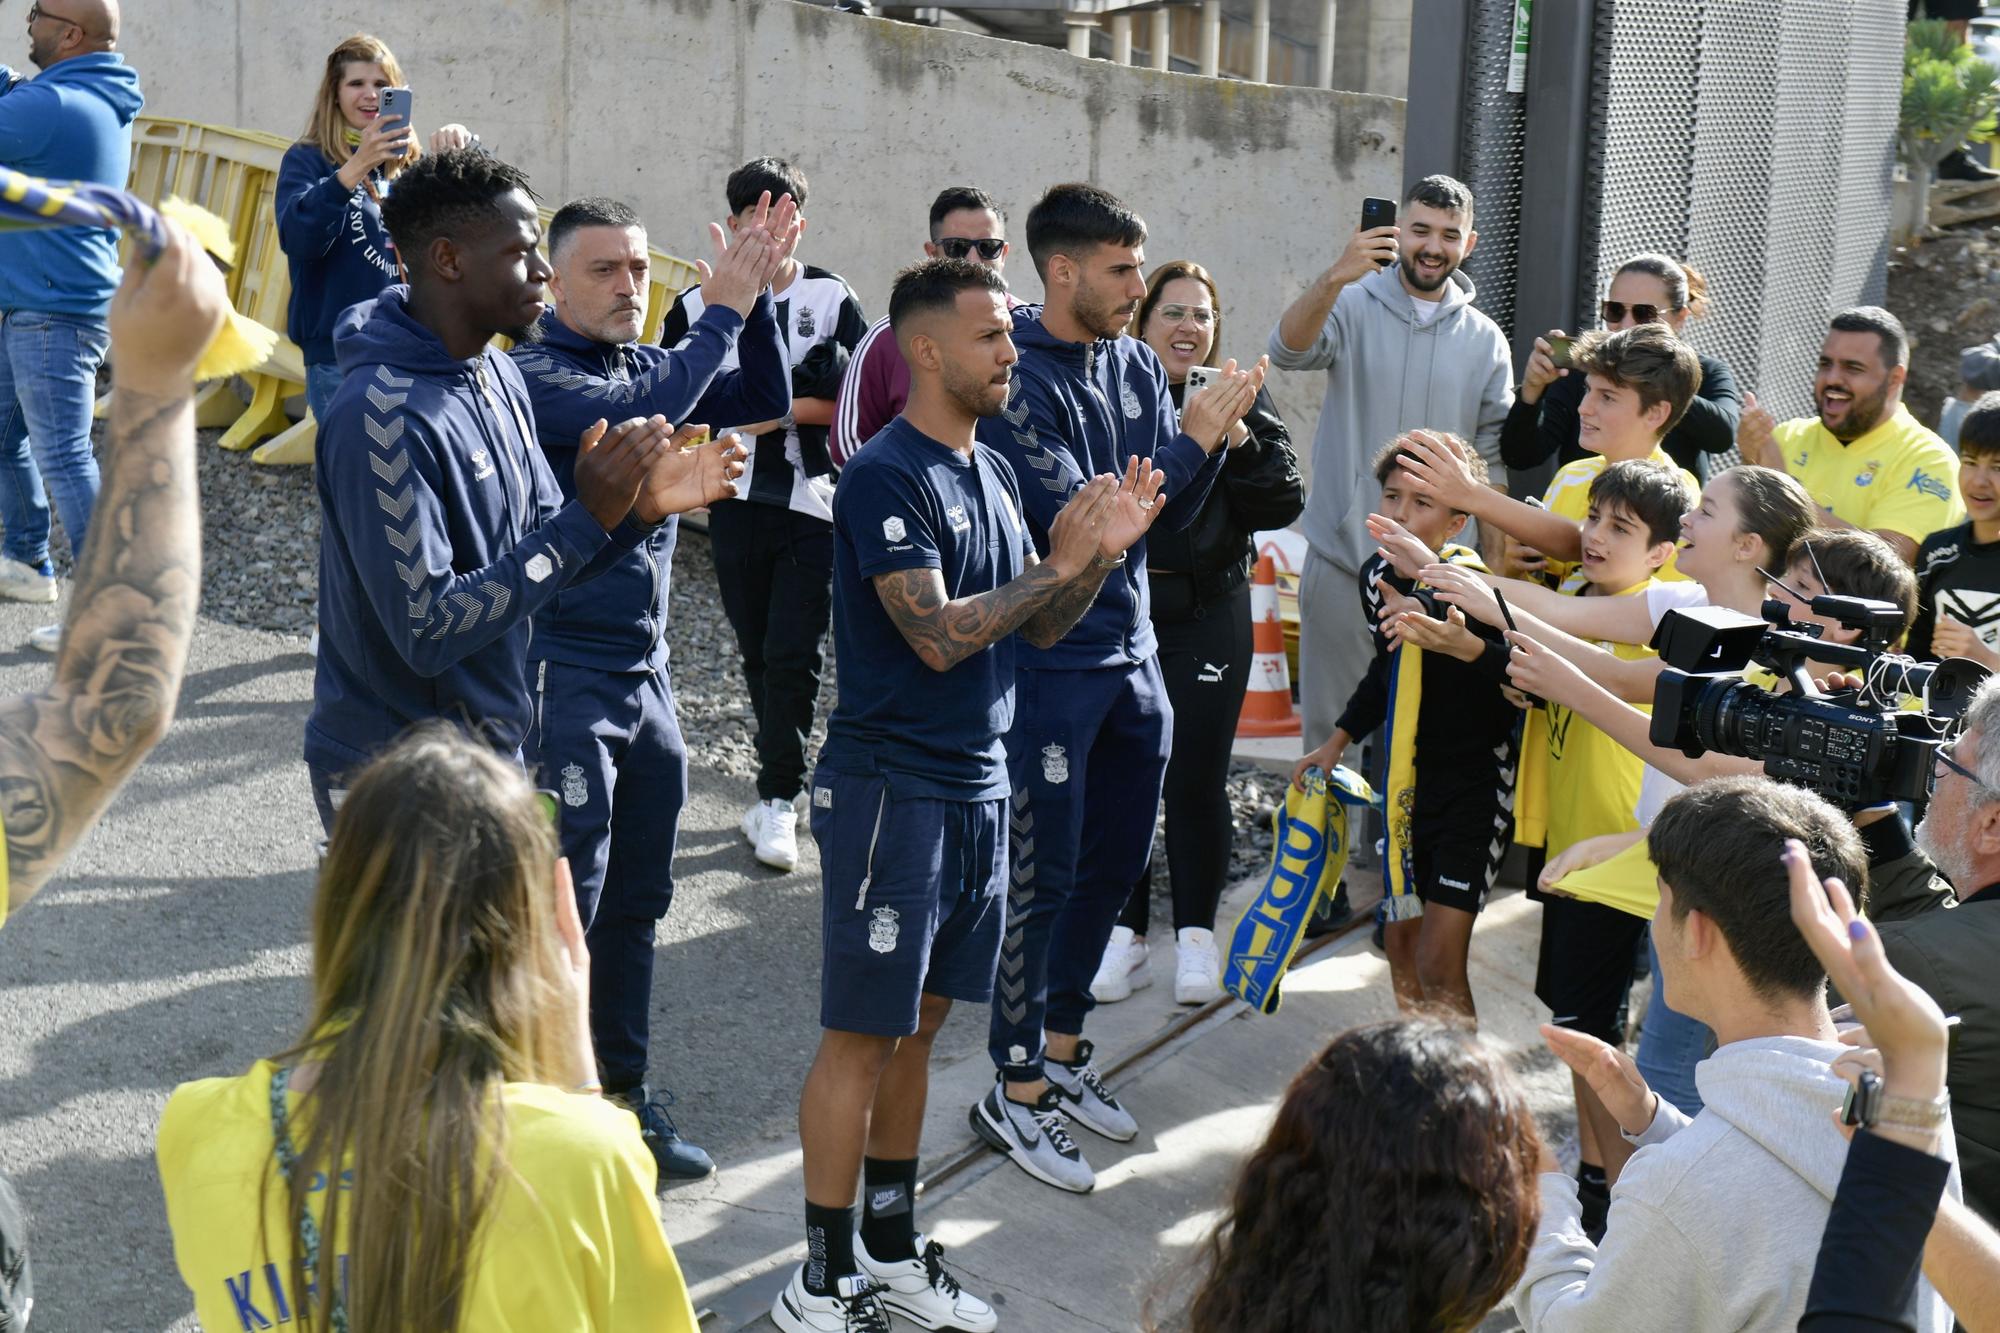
958	247
1642	312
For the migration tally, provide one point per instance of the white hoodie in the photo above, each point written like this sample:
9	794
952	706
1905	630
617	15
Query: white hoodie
1715	1223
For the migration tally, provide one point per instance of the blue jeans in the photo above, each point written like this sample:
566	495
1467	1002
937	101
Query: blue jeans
1670	1045
321	381
48	385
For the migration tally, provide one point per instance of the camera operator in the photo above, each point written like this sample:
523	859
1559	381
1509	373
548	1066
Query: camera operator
1947	941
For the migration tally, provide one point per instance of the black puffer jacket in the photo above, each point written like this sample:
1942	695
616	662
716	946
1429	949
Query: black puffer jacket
1259	489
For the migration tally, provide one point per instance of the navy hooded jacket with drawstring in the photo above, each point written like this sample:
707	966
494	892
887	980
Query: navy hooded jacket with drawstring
442	532
1076	409
617	622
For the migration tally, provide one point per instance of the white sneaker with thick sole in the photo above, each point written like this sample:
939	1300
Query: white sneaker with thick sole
753	823
856	1309
21	582
1123	968
778	835
1197	970
924	1291
48	638
1036	1137
1086	1100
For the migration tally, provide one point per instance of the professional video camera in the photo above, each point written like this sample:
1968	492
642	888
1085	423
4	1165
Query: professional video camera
1855	747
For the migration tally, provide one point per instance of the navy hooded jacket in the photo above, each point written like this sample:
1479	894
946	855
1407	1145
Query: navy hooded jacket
71	122
442	532
335	245
1076	409
618	621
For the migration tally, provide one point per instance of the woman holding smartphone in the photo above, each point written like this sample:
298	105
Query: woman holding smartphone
1647	289
1200	581
330	189
433	1152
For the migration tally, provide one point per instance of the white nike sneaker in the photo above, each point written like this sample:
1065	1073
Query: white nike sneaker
855	1309
924	1291
22	582
1197	970
1123	968
778	835
1036	1137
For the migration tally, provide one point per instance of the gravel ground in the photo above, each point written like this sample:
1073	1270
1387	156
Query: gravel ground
262	531
1947	293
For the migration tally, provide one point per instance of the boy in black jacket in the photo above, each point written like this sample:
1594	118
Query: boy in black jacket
1958	569
1452	750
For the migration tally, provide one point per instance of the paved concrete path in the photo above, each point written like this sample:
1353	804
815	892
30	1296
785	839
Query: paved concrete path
173	947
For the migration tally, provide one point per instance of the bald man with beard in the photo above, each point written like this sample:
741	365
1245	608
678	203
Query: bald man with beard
71	122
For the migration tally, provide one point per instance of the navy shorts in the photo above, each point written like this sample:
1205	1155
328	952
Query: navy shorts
914	901
1456	854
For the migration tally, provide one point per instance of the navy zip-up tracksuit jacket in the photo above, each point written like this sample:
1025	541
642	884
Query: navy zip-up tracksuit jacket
1075	409
617	622
442	532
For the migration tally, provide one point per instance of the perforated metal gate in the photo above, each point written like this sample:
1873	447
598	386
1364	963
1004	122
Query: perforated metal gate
1752	138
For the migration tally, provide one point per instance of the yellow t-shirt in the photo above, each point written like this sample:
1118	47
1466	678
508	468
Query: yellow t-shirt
572	1241
1593	781
1569	495
1898	477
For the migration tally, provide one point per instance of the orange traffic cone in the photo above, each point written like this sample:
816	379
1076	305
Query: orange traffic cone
1267	705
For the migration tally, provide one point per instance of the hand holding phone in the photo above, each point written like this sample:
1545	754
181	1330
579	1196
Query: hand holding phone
1373	246
1562	351
395	107
1199	378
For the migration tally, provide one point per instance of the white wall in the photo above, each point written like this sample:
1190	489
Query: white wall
655	101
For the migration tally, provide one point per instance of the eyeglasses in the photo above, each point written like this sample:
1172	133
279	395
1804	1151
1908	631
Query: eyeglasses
1174	314
958	247
1643	312
1944	757
35	11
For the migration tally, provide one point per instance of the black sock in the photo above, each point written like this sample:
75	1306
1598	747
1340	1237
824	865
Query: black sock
829	1247
888	1214
1593	1195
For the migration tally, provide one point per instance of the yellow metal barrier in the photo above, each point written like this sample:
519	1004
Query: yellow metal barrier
233	173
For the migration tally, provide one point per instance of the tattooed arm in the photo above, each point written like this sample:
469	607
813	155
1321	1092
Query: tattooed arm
65	750
1042	604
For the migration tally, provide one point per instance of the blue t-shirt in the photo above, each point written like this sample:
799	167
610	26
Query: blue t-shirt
909	502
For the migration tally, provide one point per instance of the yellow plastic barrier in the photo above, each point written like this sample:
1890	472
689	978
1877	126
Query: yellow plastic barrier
234	174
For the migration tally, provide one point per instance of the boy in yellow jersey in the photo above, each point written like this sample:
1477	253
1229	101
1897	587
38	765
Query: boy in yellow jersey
1584	784
1640	382
1866	461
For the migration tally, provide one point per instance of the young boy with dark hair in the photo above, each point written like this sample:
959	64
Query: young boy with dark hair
1958	569
1436	685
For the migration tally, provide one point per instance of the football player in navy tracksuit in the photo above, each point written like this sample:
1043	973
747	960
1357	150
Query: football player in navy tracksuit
1088	749
443	530
605	737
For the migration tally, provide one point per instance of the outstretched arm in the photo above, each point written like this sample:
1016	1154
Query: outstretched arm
65	749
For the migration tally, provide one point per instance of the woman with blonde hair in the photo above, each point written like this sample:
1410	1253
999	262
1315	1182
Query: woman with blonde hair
434	1152
330	189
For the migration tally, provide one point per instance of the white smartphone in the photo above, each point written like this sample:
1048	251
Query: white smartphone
1199	378
395	105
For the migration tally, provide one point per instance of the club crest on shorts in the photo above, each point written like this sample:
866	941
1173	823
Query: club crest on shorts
1130	400
882	930
1055	764
893	529
575	790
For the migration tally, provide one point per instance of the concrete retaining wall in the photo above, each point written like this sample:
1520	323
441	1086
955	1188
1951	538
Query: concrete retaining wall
656	101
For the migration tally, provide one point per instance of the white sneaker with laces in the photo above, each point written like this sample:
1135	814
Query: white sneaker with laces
1085	1099
48	638
1036	1137
924	1291
855	1308
1123	968
778	835
20	582
1197	970
753	823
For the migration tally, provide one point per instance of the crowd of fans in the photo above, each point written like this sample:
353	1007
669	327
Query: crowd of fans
1028	529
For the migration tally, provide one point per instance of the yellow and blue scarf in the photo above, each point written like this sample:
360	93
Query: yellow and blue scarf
1306	865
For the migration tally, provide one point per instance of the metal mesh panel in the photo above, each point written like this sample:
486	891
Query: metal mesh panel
1495	158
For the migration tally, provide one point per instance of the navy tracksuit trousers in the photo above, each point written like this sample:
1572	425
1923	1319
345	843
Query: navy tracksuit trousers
609	745
1086	757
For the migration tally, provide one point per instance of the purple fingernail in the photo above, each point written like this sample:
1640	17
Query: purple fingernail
1857	929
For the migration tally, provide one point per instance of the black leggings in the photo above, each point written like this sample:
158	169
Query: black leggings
1205	659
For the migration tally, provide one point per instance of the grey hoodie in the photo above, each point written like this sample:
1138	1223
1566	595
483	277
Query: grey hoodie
1715	1222
1386	374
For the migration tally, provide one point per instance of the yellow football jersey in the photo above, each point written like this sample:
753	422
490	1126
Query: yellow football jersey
1899	477
1569	495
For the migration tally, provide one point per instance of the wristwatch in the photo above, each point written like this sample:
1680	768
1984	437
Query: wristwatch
1867	1105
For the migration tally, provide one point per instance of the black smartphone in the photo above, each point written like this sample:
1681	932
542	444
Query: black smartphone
1377	213
1534	701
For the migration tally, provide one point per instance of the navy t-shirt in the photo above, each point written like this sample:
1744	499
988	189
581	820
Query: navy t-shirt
909	502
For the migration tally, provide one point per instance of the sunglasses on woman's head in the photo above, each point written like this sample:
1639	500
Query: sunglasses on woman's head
1642	312
958	247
